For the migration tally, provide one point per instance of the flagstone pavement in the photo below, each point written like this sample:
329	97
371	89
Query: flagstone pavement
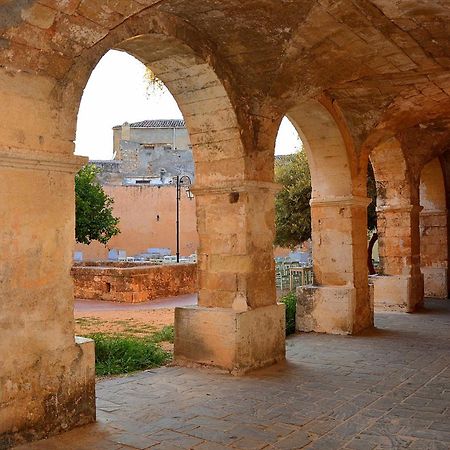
385	389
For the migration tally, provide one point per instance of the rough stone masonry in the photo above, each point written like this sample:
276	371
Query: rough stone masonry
357	78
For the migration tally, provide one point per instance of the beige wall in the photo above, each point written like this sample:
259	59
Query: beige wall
138	208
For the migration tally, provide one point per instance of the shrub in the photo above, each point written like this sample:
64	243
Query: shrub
290	300
116	354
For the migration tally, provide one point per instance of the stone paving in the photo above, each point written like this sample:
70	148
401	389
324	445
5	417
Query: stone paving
389	388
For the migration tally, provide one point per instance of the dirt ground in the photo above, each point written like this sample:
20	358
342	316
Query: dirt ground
123	322
127	323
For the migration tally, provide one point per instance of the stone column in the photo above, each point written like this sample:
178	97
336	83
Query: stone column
338	302
434	252
400	283
237	324
47	376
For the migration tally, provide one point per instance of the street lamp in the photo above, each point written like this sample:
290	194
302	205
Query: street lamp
183	181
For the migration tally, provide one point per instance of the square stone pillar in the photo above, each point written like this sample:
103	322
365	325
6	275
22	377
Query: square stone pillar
47	377
399	286
434	252
339	301
237	325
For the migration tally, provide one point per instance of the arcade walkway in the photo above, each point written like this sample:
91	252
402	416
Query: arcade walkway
386	389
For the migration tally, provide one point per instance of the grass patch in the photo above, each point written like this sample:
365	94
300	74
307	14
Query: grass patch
88	321
164	335
115	354
290	300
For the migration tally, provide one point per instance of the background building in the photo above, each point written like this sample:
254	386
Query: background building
140	179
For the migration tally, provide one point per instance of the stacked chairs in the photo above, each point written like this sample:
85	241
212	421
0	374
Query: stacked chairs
290	274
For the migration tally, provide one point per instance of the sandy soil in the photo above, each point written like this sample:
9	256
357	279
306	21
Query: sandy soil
135	323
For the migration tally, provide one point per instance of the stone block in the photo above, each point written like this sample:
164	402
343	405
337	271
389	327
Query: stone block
398	292
435	282
235	341
39	15
59	401
331	309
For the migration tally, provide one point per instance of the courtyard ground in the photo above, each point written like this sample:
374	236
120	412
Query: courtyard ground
125	318
387	388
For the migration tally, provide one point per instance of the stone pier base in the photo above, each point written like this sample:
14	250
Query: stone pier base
435	282
234	341
331	309
398	292
61	398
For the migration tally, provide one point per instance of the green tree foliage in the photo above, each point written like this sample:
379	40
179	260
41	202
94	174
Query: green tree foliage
372	193
93	209
292	209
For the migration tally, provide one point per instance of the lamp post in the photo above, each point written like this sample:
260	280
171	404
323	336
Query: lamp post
184	180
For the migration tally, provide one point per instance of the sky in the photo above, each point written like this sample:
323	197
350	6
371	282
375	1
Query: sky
116	93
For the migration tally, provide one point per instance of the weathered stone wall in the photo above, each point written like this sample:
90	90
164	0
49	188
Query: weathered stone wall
47	380
140	161
399	285
133	284
178	138
235	68
147	219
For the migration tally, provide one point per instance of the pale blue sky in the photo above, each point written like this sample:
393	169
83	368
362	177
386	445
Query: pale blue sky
116	93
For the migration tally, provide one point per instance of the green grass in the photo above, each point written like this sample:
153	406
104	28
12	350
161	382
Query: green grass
164	335
290	300
116	354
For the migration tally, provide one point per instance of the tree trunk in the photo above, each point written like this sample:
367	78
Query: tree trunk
372	241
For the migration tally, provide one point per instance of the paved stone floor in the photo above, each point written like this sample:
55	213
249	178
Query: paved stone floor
389	388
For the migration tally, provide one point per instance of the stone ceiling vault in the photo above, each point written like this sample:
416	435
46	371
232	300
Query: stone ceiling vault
385	62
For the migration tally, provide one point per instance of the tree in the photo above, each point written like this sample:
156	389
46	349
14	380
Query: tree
93	209
372	193
292	209
371	216
153	85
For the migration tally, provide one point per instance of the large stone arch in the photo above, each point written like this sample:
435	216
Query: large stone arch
183	60
433	230
339	301
399	285
226	156
235	212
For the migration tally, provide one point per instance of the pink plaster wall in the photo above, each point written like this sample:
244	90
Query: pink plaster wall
138	208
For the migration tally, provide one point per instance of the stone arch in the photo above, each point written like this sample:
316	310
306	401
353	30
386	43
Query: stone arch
234	202
328	147
433	230
400	283
234	220
338	222
396	186
187	66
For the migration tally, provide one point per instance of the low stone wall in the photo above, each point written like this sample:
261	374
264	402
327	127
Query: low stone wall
133	284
